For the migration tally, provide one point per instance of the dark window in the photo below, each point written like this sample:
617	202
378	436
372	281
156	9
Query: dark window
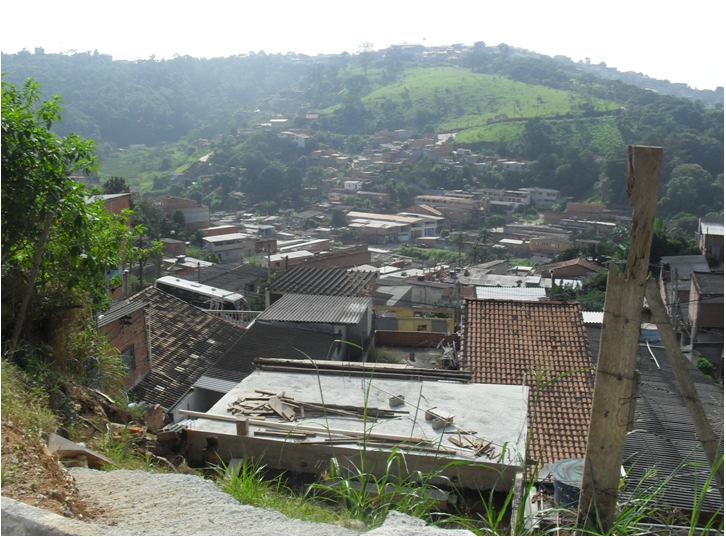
127	355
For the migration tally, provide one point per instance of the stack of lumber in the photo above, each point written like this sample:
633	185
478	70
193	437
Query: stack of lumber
264	403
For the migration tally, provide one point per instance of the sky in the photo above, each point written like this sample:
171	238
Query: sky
679	41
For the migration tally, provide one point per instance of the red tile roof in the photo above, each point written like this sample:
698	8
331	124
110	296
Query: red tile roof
543	345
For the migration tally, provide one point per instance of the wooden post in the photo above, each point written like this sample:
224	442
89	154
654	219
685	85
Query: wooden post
243	426
709	441
615	373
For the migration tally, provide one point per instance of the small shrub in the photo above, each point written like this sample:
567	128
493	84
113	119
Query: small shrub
705	366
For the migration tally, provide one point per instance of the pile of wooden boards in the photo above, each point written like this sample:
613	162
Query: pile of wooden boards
264	403
477	445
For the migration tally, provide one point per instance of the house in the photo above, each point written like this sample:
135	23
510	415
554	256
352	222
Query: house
400	228
116	203
185	266
174	247
675	282
414	307
219	230
121	325
330	281
475	410
231	247
352	186
196	215
167	344
543	198
542	345
572	268
237	362
348	318
710	240
705	305
235	277
454	208
550	244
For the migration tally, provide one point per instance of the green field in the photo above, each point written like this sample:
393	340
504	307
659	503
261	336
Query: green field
141	165
600	134
464	100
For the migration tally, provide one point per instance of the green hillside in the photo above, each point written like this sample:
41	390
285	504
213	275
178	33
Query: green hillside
456	99
599	134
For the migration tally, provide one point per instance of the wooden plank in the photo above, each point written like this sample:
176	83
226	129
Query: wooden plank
282	410
710	442
614	378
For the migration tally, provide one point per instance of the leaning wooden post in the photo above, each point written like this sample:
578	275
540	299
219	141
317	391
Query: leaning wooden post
614	377
711	444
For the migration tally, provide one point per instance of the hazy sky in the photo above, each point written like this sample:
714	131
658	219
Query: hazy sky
681	41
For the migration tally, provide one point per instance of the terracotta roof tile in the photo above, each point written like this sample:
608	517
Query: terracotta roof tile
185	341
543	345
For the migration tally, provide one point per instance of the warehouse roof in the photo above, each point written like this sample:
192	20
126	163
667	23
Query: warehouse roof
542	345
322	281
295	308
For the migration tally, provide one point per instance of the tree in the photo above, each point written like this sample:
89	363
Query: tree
56	248
115	185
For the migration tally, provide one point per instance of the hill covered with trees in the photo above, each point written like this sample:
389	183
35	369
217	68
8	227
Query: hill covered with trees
570	120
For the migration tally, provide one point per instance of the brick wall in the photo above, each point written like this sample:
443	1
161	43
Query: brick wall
126	332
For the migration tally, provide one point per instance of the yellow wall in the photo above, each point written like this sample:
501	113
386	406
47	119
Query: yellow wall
408	322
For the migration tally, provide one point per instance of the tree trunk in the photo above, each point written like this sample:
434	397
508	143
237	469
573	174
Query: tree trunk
35	268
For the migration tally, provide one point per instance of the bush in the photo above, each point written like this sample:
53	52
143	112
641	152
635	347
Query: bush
705	366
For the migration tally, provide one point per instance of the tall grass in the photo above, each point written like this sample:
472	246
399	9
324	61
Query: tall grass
248	484
370	497
24	403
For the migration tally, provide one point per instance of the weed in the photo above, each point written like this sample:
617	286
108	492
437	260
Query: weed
248	485
25	404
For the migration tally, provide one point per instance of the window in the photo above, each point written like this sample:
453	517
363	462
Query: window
127	355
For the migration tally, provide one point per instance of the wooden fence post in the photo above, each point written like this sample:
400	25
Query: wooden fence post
711	444
614	376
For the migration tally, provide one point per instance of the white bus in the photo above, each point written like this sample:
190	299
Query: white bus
200	295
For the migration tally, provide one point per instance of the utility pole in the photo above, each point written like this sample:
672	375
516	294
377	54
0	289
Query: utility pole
615	375
711	444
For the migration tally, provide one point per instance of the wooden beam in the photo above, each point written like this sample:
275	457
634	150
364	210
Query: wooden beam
615	373
710	442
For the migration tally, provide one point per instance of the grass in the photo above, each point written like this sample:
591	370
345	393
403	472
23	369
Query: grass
465	100
122	451
24	403
600	134
248	485
141	166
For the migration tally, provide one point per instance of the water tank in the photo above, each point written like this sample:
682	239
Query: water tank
568	481
649	332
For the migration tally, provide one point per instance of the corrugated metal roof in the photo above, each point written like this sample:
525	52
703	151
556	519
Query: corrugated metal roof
120	309
711	228
296	308
322	281
664	437
593	317
214	384
511	293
